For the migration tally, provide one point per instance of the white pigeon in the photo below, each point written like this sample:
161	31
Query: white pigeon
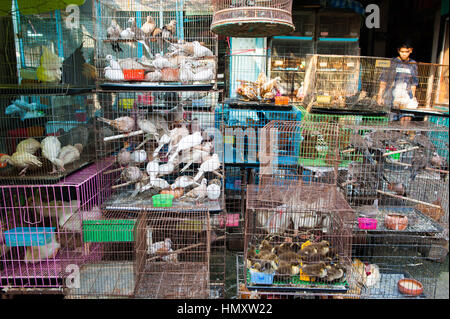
113	32
69	154
213	191
127	34
210	165
154	76
176	135
139	156
187	142
165	139
196	156
158	247
200	51
161	62
152	169
114	65
158	183
51	147
113	75
166	169
183	182
198	193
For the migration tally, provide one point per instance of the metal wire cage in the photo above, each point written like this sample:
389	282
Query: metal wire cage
41	229
45	138
344	83
298	238
154	41
172	254
51	52
144	133
258	18
371	85
405	167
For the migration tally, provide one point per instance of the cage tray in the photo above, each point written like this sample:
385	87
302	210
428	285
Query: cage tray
295	284
241	104
148	86
9	175
47	89
337	111
123	202
386	288
422	223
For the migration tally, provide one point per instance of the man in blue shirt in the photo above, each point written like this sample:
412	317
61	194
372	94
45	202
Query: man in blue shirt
403	70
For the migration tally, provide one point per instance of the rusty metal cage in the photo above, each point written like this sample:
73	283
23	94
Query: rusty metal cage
369	85
144	132
155	41
50	52
172	254
298	237
45	138
252	18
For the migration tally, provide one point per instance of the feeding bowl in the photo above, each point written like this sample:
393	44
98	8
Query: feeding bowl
410	287
396	221
367	223
162	200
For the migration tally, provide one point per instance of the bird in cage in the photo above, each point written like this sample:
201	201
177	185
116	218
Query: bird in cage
422	140
123	124
192	156
35	254
166	169
334	272
418	163
113	33
124	157
160	62
368	211
315	269
138	156
213	191
186	142
26	110
50	66
139	35
149	25
210	165
69	154
183	182
169	29
132	174
51	146
437	161
360	144
198	193
29	145
397	188
127	34
21	160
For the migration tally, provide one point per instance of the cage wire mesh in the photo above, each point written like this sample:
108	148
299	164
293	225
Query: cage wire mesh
155	41
53	51
304	22
45	138
370	85
401	229
328	46
259	18
167	146
298	238
41	228
172	254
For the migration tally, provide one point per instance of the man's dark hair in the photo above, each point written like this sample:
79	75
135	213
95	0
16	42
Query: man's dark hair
406	45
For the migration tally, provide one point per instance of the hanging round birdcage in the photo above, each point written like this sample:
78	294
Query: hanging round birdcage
252	18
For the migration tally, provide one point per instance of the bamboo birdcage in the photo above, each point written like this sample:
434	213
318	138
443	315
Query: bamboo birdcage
252	18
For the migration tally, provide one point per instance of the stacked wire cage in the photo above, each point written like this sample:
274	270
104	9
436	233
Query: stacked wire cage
154	41
45	138
298	228
52	51
172	254
397	182
41	233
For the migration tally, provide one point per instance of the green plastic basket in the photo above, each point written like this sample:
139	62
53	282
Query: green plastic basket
162	200
108	230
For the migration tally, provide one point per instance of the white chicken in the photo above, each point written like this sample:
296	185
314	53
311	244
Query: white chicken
21	160
33	254
30	145
69	154
51	147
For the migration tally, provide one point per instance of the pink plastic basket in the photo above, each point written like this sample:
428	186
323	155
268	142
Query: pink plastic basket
367	223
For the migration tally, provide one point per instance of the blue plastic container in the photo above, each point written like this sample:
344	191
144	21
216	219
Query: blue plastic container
29	236
260	278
